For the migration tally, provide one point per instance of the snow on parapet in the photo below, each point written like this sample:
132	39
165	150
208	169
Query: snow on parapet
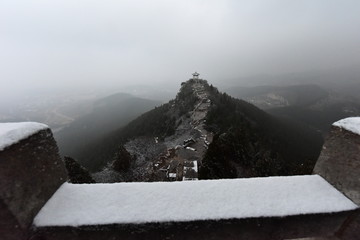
351	124
134	203
11	133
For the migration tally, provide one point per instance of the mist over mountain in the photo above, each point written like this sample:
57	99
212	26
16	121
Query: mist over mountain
318	106
108	114
116	96
338	79
266	97
226	137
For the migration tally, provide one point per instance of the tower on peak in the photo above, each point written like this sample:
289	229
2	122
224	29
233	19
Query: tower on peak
195	75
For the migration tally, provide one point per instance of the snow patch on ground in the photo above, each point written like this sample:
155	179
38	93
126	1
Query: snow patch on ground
134	203
351	124
11	133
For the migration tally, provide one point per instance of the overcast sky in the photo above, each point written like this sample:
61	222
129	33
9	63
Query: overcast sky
74	43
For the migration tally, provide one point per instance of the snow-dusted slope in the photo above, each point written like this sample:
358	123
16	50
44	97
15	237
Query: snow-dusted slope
351	124
11	133
123	203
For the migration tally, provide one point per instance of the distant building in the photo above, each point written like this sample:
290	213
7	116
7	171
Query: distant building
195	75
172	176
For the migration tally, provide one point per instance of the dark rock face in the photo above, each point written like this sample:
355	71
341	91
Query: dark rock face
30	173
122	160
76	172
339	162
9	225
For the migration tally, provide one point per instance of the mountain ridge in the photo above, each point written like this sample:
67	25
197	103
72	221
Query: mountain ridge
223	136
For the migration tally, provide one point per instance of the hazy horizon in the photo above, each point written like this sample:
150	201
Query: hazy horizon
73	45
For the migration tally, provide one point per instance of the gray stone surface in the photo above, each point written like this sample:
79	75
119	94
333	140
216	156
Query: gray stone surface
30	172
339	162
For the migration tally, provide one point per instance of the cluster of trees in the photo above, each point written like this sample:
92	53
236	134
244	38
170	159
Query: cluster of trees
122	160
159	122
76	172
185	98
249	142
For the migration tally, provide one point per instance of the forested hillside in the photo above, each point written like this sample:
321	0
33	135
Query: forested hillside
250	142
247	141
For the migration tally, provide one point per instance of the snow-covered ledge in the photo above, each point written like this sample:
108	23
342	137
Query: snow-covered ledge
351	124
31	170
255	208
12	133
137	203
339	161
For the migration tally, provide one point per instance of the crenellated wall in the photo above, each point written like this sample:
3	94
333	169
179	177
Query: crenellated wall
31	170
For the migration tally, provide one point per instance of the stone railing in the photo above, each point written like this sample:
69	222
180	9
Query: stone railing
31	170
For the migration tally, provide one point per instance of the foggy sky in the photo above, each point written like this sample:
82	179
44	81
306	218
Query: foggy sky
77	43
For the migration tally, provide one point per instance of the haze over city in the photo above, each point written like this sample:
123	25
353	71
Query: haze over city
70	45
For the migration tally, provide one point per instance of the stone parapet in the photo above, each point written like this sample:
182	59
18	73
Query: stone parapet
339	162
31	170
